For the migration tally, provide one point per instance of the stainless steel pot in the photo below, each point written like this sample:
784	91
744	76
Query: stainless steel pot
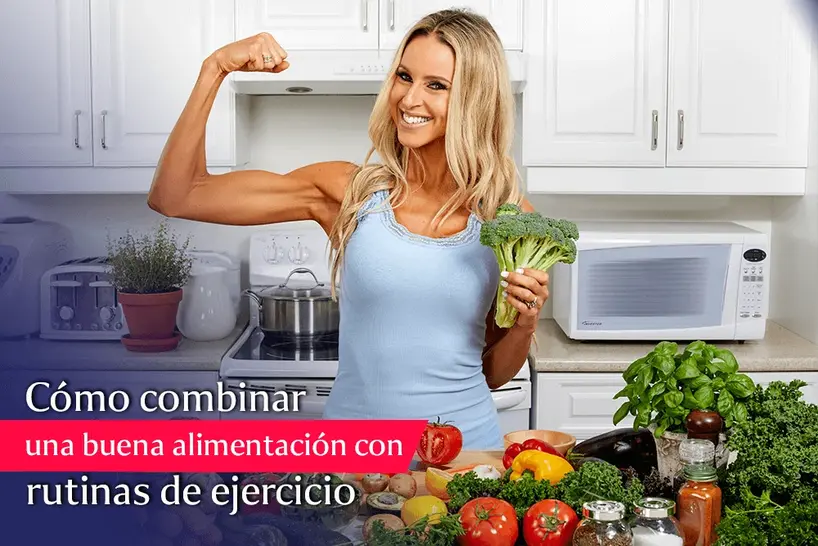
297	309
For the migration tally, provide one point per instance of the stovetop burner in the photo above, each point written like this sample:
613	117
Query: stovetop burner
261	346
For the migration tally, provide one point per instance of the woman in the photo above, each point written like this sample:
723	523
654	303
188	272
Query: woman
417	335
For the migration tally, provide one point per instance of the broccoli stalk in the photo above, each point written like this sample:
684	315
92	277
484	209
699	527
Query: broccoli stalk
526	240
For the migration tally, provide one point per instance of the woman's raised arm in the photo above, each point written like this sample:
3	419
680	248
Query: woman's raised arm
183	188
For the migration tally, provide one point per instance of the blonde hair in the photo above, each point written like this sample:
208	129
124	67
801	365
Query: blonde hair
478	138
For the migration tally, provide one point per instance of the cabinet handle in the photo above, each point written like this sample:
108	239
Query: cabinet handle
654	139
102	140
681	143
77	128
391	14
365	14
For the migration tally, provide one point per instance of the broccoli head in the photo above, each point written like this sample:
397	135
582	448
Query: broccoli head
526	240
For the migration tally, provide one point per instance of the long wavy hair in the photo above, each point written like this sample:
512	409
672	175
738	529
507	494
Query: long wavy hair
478	138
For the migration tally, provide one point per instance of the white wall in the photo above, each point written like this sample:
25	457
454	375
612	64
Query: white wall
795	236
288	132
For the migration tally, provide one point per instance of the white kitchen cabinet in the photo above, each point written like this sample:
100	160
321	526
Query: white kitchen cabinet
739	84
146	57
108	82
397	17
362	24
662	84
596	83
311	24
45	97
582	404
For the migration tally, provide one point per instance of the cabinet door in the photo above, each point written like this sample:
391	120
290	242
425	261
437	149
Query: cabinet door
599	71
146	58
738	84
45	92
580	404
311	24
397	17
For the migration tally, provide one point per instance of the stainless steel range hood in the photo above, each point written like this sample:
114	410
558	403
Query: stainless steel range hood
340	73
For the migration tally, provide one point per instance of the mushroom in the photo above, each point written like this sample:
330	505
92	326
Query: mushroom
389	522
375	483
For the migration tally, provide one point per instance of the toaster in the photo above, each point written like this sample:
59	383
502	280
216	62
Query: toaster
28	248
79	302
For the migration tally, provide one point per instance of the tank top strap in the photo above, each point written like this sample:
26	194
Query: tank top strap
372	202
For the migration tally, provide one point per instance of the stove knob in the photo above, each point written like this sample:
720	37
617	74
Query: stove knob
299	254
66	313
270	253
107	314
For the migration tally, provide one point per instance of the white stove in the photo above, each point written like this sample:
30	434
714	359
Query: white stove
258	362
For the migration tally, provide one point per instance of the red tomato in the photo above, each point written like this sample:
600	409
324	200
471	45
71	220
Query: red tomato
540	445
549	523
488	522
440	443
511	451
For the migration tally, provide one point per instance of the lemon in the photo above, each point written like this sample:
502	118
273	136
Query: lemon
420	506
436	482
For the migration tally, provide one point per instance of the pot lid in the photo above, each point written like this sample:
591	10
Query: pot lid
299	288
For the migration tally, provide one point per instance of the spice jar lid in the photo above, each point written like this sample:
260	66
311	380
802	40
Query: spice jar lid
603	510
694	450
654	508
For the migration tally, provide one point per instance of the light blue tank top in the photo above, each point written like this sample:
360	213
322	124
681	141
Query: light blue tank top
413	323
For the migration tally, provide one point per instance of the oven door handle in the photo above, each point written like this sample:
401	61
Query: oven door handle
508	398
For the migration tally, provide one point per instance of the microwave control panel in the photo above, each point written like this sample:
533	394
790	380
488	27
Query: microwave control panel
753	270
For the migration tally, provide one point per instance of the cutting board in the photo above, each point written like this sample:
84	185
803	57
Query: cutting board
463	462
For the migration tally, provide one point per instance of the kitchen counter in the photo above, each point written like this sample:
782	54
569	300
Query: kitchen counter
781	350
44	354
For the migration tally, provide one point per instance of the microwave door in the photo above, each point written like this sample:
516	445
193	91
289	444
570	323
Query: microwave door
649	288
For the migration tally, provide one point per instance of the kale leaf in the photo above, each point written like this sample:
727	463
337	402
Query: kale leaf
771	489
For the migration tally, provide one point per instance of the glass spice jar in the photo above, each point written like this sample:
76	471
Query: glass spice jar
603	524
654	524
699	499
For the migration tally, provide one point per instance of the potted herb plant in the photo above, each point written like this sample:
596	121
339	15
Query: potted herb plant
676	394
148	273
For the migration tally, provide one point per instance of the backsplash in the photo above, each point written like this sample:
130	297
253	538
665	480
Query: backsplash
288	132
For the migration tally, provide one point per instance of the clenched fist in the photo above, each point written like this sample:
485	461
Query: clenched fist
259	53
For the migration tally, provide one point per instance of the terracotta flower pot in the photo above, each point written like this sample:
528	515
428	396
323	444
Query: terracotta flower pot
151	316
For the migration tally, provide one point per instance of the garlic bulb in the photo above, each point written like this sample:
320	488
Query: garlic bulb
487	471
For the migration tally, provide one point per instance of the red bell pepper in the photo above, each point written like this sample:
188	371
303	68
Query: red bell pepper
511	451
532	443
540	445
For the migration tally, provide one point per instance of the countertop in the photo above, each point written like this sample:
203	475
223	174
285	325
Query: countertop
44	354
780	350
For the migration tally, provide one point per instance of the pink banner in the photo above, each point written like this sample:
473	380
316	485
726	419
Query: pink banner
209	446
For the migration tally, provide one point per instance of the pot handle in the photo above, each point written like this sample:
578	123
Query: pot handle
301	270
256	297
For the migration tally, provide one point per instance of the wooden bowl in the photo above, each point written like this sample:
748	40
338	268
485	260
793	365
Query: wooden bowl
561	441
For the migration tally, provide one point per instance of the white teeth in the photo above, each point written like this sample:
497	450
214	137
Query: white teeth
414	120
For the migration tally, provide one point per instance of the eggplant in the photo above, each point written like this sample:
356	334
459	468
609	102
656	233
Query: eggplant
623	448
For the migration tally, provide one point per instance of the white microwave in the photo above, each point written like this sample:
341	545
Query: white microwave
654	281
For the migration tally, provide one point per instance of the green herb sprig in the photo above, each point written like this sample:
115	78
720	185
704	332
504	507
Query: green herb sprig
665	385
152	263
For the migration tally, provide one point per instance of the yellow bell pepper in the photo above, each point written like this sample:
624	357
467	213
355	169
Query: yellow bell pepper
545	466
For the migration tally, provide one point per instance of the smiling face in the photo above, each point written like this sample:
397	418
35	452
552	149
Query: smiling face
419	99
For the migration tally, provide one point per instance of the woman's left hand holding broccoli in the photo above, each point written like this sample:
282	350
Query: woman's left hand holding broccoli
526	290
